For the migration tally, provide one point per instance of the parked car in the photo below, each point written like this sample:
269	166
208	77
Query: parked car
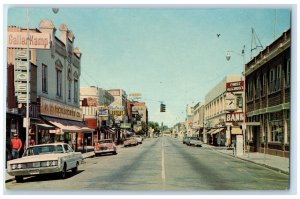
138	138
185	140
130	142
195	141
105	146
45	159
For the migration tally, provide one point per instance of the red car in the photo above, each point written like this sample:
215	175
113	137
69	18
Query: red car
105	146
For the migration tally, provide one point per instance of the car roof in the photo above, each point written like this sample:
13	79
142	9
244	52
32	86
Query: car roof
51	144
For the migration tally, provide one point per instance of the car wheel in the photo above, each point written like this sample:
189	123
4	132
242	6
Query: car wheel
115	152
64	172
75	170
19	179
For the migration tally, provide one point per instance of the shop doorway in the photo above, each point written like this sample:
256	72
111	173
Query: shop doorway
256	136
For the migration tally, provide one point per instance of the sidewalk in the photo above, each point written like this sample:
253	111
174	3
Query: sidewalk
277	163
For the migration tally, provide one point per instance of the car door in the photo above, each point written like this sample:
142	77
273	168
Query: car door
68	157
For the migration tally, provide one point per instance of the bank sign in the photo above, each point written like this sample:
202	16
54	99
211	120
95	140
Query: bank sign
235	117
235	86
36	40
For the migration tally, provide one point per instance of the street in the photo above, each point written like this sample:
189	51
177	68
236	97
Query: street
160	164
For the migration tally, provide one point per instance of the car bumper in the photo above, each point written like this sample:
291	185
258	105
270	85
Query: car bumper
105	151
34	171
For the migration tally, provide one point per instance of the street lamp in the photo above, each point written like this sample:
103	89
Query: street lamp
27	122
228	56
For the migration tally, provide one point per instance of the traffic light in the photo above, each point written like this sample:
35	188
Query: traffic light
162	108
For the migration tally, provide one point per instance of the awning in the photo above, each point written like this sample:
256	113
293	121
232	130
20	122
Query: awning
86	129
217	131
210	131
66	125
45	126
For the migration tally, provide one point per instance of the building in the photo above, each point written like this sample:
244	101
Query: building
140	117
198	119
55	68
189	121
268	80
216	110
94	104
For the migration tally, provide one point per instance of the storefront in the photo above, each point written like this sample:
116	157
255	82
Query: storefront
66	123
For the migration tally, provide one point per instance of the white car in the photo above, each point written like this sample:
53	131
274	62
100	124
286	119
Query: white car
194	141
138	138
44	159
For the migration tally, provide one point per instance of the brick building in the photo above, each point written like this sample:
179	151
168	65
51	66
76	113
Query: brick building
268	77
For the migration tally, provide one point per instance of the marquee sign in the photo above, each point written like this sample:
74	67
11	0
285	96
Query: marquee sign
235	86
57	109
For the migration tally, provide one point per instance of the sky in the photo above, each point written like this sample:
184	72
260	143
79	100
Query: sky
168	54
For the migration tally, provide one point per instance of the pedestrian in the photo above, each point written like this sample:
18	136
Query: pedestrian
16	145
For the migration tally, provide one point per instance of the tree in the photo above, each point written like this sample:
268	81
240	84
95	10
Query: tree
153	125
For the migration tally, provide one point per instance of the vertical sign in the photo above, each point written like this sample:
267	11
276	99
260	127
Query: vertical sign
21	67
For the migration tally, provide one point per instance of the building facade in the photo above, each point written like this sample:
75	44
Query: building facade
54	81
198	119
268	81
95	108
217	129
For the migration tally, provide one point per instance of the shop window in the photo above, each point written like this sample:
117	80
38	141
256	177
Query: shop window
277	131
288	73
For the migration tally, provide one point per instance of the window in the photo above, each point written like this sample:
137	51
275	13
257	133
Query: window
44	78
58	82
278	78
272	80
276	131
288	73
257	88
264	86
75	90
69	89
250	91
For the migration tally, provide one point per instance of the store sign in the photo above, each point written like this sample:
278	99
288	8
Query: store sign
117	112
235	117
36	40
20	87
125	125
21	64
20	75
21	98
57	109
235	86
102	112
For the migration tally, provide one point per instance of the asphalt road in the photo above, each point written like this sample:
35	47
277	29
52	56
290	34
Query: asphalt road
159	164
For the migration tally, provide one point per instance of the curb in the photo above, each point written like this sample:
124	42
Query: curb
261	164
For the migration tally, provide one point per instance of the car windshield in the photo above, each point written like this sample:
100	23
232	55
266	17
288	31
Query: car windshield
194	138
38	150
105	141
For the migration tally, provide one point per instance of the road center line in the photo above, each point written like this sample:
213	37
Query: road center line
163	174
